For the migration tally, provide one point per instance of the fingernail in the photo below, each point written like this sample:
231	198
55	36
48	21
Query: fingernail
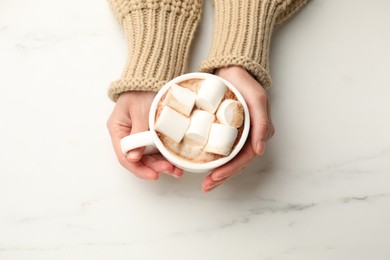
217	178
132	155
176	175
212	186
260	147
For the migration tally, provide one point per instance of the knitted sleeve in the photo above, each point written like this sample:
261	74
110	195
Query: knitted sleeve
242	33
159	34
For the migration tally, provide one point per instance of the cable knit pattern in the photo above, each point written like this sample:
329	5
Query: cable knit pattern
159	34
242	33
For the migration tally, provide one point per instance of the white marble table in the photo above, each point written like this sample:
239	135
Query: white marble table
322	191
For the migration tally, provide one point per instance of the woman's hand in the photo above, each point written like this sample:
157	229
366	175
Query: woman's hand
262	128
130	116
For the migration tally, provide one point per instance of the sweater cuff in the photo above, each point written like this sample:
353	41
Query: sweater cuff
248	63
159	35
242	33
291	9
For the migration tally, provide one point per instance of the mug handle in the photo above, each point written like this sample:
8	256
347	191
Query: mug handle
137	140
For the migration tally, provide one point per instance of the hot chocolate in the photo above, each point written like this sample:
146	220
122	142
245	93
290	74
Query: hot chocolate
199	120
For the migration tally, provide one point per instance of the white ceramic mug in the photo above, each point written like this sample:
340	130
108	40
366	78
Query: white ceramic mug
153	144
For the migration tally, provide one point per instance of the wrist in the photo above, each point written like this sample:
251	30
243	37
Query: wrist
133	97
234	70
229	69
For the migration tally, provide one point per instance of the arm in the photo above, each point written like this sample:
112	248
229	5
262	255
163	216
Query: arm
159	34
240	54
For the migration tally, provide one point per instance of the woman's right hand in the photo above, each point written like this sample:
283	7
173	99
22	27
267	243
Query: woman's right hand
130	116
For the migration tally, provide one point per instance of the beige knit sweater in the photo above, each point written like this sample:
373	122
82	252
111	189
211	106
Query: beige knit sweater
159	34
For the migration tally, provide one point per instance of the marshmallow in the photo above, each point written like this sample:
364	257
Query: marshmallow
181	99
172	124
221	139
210	94
198	132
231	113
170	144
192	153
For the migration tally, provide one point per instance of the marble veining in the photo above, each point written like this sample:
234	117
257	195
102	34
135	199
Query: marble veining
321	191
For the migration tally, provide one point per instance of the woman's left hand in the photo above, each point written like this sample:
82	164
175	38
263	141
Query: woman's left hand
262	128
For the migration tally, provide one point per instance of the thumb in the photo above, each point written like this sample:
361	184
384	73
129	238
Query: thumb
139	124
260	121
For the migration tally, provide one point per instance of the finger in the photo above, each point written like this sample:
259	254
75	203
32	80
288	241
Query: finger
159	166
235	165
140	170
260	121
175	172
271	131
213	186
208	183
137	168
118	130
139	119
